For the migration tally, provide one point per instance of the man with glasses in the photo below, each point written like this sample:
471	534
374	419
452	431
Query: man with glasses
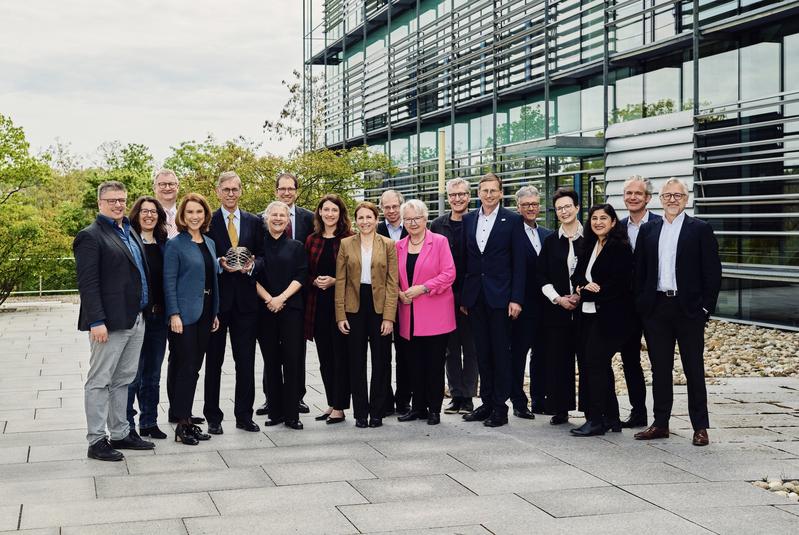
238	307
677	282
637	194
461	355
112	281
165	189
525	339
492	295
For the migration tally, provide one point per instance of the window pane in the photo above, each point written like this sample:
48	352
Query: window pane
718	79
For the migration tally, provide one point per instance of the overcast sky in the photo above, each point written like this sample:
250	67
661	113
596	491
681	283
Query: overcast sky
143	71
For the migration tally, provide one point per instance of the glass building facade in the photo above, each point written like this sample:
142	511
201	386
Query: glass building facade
582	93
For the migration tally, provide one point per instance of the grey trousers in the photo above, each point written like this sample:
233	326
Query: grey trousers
112	367
461	359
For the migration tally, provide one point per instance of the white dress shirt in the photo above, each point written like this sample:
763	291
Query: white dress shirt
484	225
395	233
236	220
632	228
366	265
590	307
532	235
667	253
571	264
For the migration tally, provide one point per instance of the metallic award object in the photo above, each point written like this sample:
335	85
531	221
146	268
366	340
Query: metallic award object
238	257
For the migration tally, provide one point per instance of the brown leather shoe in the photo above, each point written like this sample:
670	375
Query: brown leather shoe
700	438
652	432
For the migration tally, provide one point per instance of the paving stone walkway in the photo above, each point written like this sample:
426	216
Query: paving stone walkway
458	477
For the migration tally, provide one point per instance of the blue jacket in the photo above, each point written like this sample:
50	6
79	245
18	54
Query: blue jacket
184	278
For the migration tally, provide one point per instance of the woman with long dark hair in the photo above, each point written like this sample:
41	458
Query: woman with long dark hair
331	224
148	219
603	279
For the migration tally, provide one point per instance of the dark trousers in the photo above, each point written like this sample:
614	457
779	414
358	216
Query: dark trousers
365	331
146	385
524	341
243	327
189	348
461	359
492	334
666	325
559	355
600	389
404	388
633	373
171	367
283	336
331	346
427	355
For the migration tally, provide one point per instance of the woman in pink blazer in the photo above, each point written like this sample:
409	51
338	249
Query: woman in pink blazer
426	309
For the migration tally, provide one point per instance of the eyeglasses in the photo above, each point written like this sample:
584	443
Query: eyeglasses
286	190
413	220
564	208
116	202
231	191
167	185
670	196
528	205
147	211
458	195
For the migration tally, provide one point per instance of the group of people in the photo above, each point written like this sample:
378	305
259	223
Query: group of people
470	295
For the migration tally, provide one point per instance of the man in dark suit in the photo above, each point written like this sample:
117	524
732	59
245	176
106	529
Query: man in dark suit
677	282
300	226
112	280
238	307
524	337
492	295
392	227
461	354
637	194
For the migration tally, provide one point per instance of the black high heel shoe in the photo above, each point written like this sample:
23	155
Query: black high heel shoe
198	433
184	435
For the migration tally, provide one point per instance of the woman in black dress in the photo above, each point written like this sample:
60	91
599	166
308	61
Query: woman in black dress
331	224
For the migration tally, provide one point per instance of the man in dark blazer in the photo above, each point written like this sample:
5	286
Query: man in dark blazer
637	194
524	336
677	283
392	227
492	295
299	228
238	307
112	280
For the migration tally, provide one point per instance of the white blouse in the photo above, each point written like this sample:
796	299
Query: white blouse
366	265
590	308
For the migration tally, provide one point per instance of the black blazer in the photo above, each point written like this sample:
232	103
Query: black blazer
534	300
382	229
303	224
237	290
108	280
499	269
698	267
552	270
613	272
443	225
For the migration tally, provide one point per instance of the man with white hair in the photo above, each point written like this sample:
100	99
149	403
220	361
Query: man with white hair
677	282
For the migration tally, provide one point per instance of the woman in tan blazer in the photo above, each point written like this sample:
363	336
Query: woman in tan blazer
366	307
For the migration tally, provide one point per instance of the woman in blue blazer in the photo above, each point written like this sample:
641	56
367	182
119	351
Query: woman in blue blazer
191	293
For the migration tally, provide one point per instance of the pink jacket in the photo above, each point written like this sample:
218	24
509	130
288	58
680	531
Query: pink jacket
433	313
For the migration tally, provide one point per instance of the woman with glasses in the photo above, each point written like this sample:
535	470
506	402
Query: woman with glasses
148	219
604	281
556	265
426	309
366	307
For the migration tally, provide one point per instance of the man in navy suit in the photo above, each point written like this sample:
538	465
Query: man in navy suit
238	307
492	295
637	194
524	337
677	282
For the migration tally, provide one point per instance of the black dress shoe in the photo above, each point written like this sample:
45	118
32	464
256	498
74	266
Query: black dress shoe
274	421
403	409
198	433
132	442
478	415
495	421
250	426
216	429
102	451
467	405
294	424
374	421
184	435
413	415
635	420
612	425
434	418
263	410
361	422
559	418
322	417
152	432
335	420
525	413
302	408
589	429
454	406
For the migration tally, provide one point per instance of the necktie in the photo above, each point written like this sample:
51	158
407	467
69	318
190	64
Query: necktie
231	231
289	232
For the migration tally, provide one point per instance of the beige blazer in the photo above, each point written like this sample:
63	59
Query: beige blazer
384	277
